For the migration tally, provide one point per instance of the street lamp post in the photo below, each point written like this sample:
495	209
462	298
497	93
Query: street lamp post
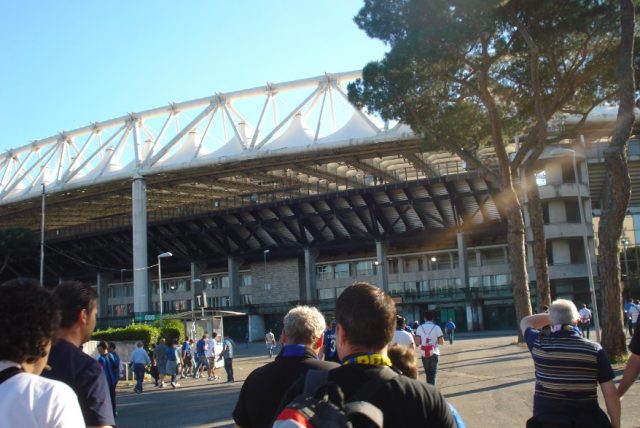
264	253
160	257
585	243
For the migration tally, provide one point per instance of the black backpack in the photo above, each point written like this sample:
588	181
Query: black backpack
322	404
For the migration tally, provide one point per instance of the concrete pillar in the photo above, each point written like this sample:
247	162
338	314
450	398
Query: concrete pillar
233	268
140	258
103	294
309	275
463	265
197	284
469	308
383	269
256	327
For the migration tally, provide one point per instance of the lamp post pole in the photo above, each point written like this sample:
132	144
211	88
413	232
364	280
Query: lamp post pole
264	253
585	243
160	257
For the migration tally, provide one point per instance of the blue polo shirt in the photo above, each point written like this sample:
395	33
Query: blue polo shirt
568	369
85	376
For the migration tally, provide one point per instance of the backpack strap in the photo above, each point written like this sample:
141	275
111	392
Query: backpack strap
9	372
359	404
313	380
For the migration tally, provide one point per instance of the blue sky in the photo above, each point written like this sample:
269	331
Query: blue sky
70	63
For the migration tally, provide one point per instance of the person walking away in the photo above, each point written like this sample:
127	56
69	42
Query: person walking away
430	337
161	360
210	352
109	368
79	304
302	338
329	351
187	358
568	369
401	336
449	329
228	348
585	320
365	322
139	361
201	347
29	317
270	342
173	361
627	316
117	370
154	364
634	311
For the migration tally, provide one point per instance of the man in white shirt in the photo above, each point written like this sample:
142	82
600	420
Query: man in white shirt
585	320
401	336
431	337
28	318
270	342
210	352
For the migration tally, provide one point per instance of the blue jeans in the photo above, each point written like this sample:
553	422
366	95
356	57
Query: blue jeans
138	369
202	361
430	365
450	337
228	367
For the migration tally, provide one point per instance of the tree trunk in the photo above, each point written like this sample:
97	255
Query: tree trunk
517	259
539	244
618	184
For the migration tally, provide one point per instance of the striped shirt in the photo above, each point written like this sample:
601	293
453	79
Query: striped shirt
568	369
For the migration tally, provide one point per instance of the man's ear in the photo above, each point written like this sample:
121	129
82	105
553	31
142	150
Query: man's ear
83	316
341	335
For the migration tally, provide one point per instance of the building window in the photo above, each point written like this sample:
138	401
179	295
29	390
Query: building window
572	211
568	175
492	257
324	272
364	268
549	253
246	299
246	280
393	265
576	251
396	288
341	270
420	264
224	282
326	293
545	212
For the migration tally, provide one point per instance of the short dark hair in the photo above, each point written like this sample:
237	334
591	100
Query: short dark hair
367	314
29	317
429	315
102	344
74	296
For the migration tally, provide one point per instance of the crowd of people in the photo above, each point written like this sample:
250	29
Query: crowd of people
367	351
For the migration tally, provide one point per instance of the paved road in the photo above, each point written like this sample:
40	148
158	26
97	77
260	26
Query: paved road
487	377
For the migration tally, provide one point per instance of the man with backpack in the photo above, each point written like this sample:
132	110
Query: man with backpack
302	336
365	323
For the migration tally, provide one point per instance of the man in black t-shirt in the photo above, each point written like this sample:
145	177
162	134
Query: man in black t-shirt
261	392
72	366
632	369
365	323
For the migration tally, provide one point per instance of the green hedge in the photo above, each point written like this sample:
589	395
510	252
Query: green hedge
148	334
173	330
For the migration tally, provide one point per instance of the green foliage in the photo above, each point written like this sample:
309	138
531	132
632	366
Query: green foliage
148	334
172	329
16	243
453	61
